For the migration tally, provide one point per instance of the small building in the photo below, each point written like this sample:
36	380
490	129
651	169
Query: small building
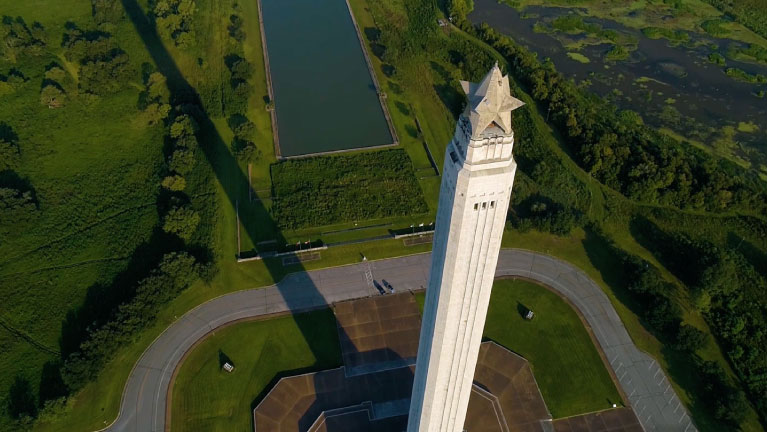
228	367
529	315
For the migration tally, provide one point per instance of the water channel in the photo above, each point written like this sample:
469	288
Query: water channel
324	96
670	86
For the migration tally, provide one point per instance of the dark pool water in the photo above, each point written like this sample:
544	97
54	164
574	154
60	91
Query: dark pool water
655	73
324	96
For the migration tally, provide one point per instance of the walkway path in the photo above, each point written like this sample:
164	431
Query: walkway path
144	397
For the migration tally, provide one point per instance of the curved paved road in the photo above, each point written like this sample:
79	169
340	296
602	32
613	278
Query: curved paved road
145	395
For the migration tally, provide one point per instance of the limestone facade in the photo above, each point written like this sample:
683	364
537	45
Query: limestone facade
474	199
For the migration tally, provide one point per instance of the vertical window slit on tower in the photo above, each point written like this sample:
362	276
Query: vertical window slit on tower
492	204
476	206
484	205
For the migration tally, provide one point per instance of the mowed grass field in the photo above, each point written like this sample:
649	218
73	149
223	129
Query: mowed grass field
570	373
207	398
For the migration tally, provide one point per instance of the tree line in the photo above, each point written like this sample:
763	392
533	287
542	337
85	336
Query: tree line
729	291
652	297
236	98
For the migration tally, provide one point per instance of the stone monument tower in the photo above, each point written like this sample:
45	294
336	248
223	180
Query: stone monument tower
473	201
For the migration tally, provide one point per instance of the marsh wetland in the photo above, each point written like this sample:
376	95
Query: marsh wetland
692	85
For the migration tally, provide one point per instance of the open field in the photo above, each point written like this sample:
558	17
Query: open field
95	186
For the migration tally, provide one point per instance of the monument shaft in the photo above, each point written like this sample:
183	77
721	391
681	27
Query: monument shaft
474	199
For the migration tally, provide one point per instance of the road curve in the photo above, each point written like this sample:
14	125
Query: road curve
143	404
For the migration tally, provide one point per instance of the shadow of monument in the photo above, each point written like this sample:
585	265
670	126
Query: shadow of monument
223	162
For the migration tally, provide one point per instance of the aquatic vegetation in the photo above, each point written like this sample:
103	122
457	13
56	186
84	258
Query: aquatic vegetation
741	75
617	53
579	57
717	59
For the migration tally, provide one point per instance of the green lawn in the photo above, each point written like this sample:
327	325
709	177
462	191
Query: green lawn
206	398
570	373
555	343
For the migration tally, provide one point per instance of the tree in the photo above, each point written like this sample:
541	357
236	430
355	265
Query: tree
107	11
186	142
689	338
181	267
184	125
105	74
52	96
239	67
174	183
21	399
156	112
56	73
9	155
244	149
181	221
182	161
157	88
175	18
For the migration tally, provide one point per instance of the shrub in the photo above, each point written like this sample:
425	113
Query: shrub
52	96
107	11
326	190
689	338
9	155
15	205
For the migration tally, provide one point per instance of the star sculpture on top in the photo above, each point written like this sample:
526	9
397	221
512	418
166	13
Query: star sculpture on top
490	102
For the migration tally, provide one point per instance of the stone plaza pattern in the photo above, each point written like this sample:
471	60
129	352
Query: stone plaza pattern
474	198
